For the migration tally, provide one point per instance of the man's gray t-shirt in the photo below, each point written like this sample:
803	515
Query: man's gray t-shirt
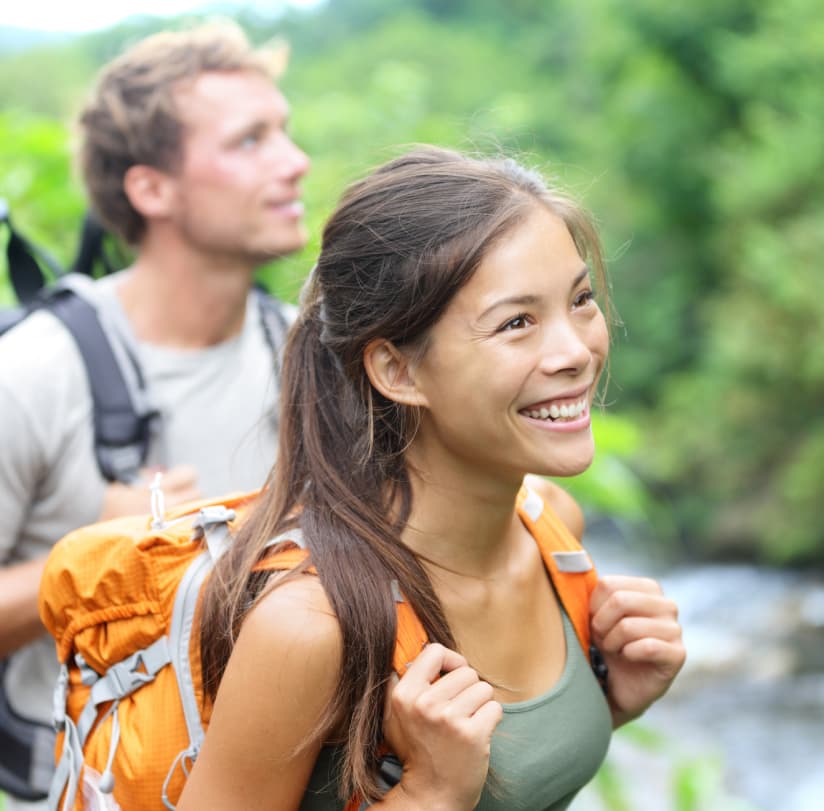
217	413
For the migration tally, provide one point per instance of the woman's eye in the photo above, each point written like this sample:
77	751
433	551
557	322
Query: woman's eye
584	298
518	322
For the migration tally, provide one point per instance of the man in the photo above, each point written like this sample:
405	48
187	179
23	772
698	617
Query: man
185	155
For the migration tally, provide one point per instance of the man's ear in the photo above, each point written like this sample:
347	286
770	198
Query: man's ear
391	374
150	190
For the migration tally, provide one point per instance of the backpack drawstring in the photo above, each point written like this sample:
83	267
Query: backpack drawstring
158	502
106	784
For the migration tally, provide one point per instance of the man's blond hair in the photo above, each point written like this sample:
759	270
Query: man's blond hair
131	118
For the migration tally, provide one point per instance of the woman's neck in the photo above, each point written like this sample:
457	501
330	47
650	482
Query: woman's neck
465	524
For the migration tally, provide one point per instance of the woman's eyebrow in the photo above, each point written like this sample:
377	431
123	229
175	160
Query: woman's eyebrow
583	273
528	300
517	301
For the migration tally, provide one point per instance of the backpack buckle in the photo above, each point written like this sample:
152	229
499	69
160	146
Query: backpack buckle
212	523
125	679
211	516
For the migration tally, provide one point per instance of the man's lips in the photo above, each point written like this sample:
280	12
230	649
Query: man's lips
291	208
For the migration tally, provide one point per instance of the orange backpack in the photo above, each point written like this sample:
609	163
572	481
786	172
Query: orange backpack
120	598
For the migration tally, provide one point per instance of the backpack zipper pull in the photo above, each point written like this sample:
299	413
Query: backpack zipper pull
61	689
158	501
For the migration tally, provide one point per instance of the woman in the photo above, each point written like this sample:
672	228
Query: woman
449	343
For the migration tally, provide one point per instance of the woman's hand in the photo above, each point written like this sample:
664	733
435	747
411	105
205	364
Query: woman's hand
439	721
636	629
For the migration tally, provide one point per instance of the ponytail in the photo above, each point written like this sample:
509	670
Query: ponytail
332	473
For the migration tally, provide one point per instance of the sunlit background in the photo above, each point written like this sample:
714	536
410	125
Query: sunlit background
695	133
92	15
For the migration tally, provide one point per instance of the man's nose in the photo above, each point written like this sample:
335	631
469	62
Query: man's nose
293	161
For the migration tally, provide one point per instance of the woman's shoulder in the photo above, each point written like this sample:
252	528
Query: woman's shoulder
561	502
270	716
296	613
289	644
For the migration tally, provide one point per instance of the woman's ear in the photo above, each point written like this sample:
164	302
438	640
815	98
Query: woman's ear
150	190
391	373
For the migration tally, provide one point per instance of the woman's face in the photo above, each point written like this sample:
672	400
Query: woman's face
512	365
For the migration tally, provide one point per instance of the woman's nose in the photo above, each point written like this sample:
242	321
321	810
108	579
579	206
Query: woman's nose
565	349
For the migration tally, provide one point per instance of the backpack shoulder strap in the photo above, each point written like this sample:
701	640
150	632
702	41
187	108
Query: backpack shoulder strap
276	320
121	434
24	260
569	565
90	253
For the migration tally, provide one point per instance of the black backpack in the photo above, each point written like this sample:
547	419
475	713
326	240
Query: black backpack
121	429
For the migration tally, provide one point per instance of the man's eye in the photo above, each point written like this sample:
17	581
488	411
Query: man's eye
249	140
518	322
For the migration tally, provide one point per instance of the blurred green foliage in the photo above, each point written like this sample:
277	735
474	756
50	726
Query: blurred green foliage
693	131
695	781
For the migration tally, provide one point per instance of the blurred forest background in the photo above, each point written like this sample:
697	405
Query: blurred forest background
695	132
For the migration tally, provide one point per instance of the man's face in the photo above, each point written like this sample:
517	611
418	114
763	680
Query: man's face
238	188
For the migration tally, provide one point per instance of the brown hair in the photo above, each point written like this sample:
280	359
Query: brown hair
131	119
399	246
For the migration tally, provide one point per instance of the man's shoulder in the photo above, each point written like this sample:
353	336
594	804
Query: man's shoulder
40	365
39	338
40	333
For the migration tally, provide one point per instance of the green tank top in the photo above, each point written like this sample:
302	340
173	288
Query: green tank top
543	752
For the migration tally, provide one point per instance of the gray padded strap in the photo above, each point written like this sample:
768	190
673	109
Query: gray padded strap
294	536
67	773
180	634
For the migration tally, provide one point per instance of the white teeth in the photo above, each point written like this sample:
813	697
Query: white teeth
555	412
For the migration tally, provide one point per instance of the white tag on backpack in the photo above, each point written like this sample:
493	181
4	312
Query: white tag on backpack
573	562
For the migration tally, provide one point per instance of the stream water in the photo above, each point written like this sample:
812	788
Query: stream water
747	711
